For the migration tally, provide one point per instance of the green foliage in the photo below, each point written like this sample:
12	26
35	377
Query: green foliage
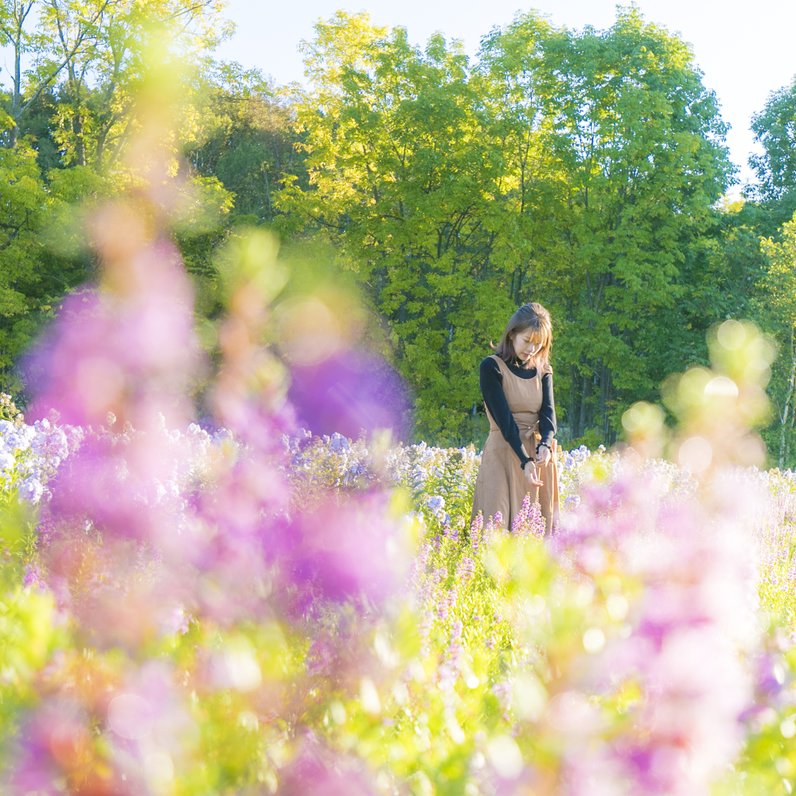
246	139
27	640
778	287
86	68
65	123
640	139
760	254
775	130
28	633
22	194
403	180
581	169
570	168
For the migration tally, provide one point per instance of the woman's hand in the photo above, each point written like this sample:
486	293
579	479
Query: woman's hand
531	476
543	455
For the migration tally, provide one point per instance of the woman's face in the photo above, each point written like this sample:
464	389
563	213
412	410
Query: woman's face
526	344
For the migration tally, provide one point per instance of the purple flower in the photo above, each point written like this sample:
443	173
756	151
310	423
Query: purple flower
350	393
31	489
466	568
338	443
529	520
435	503
476	531
345	548
130	352
7	460
32	576
319	771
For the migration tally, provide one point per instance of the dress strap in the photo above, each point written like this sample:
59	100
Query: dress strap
504	368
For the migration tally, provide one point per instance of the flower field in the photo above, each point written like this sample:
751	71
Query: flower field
328	621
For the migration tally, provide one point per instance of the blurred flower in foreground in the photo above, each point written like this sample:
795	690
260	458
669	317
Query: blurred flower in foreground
696	607
56	745
688	631
130	355
344	548
150	540
320	772
351	393
150	729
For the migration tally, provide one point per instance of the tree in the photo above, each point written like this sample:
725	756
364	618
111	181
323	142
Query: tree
85	53
768	217
22	196
719	278
775	130
39	261
639	140
64	118
779	287
403	176
247	139
571	168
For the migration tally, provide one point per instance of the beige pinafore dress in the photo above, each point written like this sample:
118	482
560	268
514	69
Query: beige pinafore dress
501	484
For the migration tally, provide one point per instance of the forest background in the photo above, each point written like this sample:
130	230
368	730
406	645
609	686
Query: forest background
585	169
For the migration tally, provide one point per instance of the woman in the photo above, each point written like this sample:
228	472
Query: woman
519	453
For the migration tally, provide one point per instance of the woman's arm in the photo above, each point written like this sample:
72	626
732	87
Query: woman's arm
495	400
547	414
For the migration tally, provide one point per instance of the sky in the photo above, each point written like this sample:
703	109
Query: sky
744	49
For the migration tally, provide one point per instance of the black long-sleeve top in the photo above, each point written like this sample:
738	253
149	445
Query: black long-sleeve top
495	399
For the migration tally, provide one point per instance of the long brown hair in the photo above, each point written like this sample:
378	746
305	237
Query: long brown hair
531	316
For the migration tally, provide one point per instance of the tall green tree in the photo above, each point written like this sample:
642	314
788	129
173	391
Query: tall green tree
39	258
779	287
775	130
640	142
64	117
769	213
718	280
247	139
85	53
404	176
22	195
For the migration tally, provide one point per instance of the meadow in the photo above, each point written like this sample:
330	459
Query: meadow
302	614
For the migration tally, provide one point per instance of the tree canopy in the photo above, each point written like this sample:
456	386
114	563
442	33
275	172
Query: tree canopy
572	168
584	169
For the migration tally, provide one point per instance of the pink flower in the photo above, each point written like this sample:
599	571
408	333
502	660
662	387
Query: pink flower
55	745
119	484
130	353
350	393
318	771
688	630
147	721
348	547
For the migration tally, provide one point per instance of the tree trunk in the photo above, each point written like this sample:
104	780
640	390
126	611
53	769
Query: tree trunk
603	413
585	395
574	406
16	90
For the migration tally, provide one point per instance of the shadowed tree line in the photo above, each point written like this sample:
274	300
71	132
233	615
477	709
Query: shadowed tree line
582	169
